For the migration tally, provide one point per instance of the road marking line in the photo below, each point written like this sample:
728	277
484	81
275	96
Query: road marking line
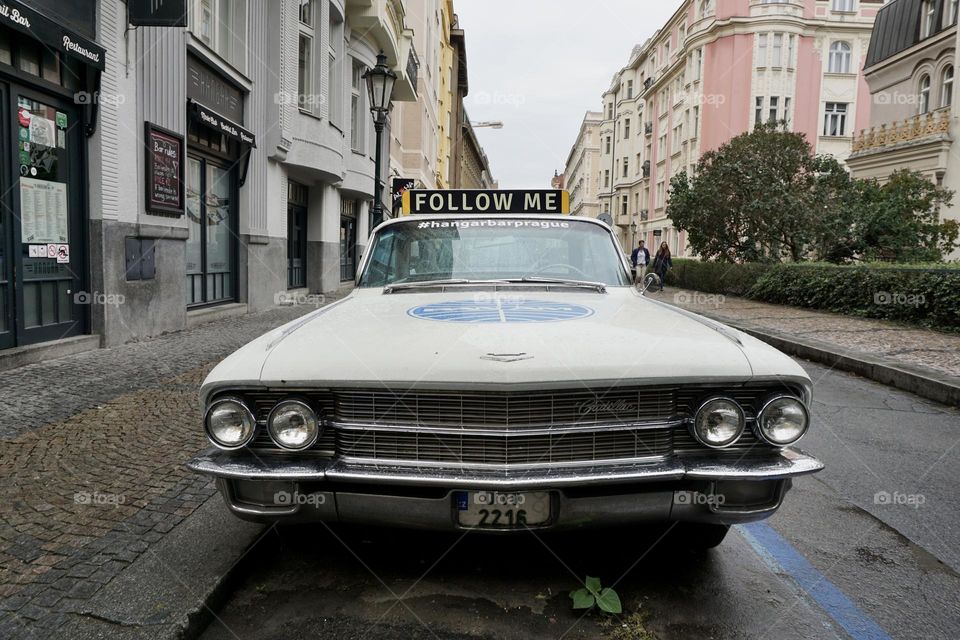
782	557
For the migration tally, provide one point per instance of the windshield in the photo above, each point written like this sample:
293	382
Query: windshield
493	249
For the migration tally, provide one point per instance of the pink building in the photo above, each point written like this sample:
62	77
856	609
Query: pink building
713	71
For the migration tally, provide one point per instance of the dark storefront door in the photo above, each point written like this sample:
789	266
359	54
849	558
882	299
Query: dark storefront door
296	236
42	296
348	248
211	247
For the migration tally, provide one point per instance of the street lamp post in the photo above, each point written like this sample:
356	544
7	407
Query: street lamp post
633	231
380	81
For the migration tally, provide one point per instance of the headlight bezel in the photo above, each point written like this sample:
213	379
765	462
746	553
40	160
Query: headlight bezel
742	422
318	420
245	410
758	423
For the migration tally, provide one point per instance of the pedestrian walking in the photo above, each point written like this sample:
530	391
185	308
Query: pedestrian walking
662	262
640	259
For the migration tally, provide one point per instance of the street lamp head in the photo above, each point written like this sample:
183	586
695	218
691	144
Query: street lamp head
633	226
380	81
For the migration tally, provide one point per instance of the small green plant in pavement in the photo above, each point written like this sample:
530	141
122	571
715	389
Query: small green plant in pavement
593	595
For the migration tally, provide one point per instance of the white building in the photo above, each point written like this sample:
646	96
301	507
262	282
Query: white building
580	175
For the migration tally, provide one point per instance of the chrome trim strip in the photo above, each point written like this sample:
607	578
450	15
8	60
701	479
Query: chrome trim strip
435	464
508	431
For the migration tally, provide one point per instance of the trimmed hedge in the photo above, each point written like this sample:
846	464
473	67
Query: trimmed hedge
715	277
923	295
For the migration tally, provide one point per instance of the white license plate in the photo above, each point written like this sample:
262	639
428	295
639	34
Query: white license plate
502	510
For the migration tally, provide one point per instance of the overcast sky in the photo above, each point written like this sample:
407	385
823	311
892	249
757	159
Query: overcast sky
537	66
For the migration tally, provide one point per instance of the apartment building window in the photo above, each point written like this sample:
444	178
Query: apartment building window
662	147
606	177
222	26
609	111
762	50
636	167
624	205
706	8
666	53
698	64
774	110
835	119
950	14
305	57
616	168
786	113
357	116
840	57
334	66
777	49
681	34
626	128
924	94
677	137
843	5
946	87
659	195
694	132
758	111
791	47
929	16
629	89
626	166
608	146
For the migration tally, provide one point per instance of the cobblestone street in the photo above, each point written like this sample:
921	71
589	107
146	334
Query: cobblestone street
918	347
91	464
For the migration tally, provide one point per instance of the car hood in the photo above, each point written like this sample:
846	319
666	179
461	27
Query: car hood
534	338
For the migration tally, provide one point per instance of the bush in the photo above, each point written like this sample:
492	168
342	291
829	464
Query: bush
924	295
715	277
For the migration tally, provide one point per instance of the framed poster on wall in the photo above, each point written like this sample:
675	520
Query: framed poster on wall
164	169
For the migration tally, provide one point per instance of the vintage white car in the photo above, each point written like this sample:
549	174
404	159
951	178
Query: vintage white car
502	372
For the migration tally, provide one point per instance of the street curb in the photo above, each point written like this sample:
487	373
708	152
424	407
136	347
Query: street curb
171	591
921	381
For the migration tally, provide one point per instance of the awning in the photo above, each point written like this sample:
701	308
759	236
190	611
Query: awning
19	16
210	118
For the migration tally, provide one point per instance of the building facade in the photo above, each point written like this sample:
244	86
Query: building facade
174	174
712	72
910	71
580	174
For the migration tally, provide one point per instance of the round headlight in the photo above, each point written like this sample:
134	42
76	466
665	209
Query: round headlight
293	425
719	423
229	423
782	421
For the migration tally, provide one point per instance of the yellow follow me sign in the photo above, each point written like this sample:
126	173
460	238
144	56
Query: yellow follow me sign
546	201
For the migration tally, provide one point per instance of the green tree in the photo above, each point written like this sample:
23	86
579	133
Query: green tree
899	220
763	196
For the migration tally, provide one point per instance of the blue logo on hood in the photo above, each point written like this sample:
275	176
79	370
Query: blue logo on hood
500	311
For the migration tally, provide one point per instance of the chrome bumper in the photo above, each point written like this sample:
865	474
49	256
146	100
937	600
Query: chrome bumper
422	497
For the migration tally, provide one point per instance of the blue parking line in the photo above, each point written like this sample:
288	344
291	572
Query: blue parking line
780	555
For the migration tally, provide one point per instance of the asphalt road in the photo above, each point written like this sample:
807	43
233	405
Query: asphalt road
867	549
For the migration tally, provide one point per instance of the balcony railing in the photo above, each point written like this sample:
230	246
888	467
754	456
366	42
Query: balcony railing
915	129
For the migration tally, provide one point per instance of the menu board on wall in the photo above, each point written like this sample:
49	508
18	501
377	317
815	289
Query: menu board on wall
164	166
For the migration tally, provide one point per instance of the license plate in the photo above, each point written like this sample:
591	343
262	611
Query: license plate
502	510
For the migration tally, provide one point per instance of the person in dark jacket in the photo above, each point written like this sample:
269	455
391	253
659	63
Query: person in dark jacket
662	262
640	258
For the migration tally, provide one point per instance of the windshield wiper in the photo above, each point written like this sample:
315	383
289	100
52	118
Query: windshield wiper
403	286
600	287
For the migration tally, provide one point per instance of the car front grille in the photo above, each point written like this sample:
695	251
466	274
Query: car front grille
508	428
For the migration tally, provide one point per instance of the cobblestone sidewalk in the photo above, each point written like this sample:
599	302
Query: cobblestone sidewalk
92	448
918	347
